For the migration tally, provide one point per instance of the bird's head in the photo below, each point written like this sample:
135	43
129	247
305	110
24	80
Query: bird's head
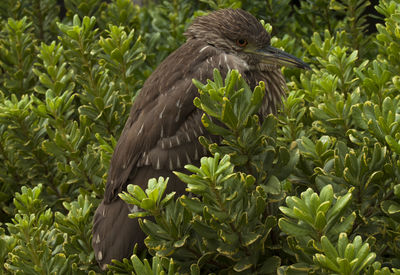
237	32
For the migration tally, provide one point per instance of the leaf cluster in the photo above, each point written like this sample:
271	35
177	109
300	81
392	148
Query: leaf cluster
313	189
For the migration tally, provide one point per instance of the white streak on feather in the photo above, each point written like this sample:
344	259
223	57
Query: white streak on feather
188	87
140	130
202	49
187	157
178	115
100	256
161	114
158	166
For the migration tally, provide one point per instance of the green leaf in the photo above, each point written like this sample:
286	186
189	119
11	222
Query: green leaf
329	249
343	241
273	186
339	206
228	116
204	230
292	228
213	128
194	269
250	238
270	265
137	192
193	204
139	267
326	193
147	204
320	221
139	215
243	264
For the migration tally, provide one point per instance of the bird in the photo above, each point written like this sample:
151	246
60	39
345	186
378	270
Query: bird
161	133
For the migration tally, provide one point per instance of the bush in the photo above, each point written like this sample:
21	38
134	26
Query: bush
314	189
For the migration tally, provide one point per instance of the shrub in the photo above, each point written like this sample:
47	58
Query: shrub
314	189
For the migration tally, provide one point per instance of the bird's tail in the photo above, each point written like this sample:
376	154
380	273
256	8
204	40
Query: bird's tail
114	233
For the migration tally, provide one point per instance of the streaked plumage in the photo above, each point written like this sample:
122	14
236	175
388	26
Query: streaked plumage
161	133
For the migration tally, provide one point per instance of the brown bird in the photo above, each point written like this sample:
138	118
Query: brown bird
161	133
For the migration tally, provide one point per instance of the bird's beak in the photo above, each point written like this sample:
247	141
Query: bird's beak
274	56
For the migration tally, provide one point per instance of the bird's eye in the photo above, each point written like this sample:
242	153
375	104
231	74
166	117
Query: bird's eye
241	42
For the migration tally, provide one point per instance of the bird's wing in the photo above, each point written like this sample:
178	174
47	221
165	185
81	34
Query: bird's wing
164	125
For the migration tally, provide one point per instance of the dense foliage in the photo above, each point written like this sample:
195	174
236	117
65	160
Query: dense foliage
312	190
